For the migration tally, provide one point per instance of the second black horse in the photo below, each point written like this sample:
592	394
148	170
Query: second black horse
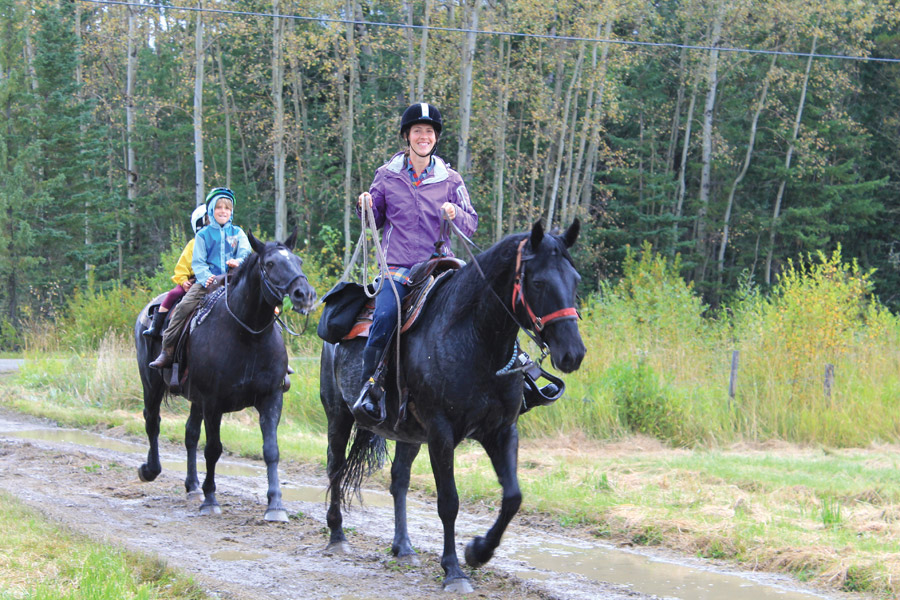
455	365
236	359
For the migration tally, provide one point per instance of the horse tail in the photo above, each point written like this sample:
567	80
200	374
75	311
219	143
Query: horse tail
367	455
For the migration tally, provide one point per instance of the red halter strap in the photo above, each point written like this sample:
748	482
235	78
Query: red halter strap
518	295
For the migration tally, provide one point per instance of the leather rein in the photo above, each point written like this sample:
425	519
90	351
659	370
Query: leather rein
518	295
272	294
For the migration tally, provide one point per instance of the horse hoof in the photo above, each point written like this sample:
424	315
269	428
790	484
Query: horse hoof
409	560
210	509
145	475
337	548
460	585
194	495
473	551
276	515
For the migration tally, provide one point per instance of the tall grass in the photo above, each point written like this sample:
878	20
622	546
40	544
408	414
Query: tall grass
658	359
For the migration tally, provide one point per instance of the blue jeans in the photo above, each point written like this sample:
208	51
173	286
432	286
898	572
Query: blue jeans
384	319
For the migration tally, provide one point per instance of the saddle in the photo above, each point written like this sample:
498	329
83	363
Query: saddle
424	279
177	377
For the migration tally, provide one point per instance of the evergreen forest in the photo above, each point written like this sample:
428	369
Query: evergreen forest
736	135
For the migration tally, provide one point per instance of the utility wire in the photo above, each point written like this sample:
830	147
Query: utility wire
566	38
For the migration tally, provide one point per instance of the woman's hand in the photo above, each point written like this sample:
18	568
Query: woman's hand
364	196
449	209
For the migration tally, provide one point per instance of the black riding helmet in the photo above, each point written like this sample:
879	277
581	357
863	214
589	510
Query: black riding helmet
421	112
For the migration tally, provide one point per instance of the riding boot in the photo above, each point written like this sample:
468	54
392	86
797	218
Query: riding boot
368	410
156	326
164	360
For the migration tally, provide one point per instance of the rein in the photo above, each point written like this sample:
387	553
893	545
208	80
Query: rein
538	323
272	294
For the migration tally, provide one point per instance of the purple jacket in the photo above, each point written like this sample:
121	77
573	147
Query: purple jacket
411	216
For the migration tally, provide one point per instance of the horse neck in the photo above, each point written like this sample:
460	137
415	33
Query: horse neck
491	320
245	301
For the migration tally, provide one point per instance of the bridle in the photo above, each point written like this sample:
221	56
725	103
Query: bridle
537	323
518	295
272	294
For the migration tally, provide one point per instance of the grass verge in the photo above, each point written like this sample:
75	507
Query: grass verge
42	561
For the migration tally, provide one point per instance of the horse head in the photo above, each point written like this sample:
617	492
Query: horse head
544	293
281	273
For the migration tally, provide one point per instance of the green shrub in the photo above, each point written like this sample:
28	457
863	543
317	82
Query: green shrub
644	405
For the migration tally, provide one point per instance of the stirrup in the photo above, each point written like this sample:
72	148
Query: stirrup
366	405
534	395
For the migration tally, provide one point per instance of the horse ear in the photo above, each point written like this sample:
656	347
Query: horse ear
292	240
571	233
537	234
257	245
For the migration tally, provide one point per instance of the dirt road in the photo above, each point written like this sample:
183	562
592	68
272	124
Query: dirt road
90	483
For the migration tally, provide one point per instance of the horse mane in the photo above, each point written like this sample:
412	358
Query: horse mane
245	267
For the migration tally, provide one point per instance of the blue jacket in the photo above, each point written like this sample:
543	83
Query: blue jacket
216	244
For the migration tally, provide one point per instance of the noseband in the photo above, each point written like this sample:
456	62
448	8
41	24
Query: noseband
272	293
518	296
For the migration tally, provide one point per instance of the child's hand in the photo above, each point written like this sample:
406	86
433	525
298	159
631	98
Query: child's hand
210	281
232	262
186	285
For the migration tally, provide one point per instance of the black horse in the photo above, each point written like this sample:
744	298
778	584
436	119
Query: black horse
235	359
455	368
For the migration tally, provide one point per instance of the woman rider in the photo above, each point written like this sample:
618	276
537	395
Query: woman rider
408	196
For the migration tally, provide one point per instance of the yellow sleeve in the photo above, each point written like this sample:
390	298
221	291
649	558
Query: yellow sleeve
183	269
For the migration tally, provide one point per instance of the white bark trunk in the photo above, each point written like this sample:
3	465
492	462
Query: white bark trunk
226	106
787	162
740	177
278	152
199	57
423	48
706	160
562	135
130	167
465	91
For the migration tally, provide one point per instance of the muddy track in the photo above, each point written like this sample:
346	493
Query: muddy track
237	555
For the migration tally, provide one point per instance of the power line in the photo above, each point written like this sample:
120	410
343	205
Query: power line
566	38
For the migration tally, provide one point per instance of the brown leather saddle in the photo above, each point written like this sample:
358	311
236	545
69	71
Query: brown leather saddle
425	278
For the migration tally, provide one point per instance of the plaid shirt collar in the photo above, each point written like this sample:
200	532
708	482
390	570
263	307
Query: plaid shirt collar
421	177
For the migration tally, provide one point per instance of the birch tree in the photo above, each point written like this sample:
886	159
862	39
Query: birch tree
278	150
199	60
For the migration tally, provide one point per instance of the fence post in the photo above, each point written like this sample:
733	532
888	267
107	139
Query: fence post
732	381
829	379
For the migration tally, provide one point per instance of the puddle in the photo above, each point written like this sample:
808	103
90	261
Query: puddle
75	436
231	555
650	576
311	493
222	467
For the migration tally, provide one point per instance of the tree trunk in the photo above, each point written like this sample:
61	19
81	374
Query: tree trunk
410	52
500	161
301	139
420	84
347	106
465	88
226	106
706	160
787	162
130	167
595	121
278	152
682	186
747	157
198	109
562	134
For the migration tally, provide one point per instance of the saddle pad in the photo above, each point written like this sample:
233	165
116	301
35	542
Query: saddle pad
204	309
146	316
413	305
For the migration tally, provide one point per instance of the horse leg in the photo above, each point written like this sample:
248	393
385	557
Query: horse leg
153	394
440	450
212	452
403	459
503	451
269	417
339	428
191	438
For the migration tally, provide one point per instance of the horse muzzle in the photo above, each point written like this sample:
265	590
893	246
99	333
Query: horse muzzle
302	296
567	350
